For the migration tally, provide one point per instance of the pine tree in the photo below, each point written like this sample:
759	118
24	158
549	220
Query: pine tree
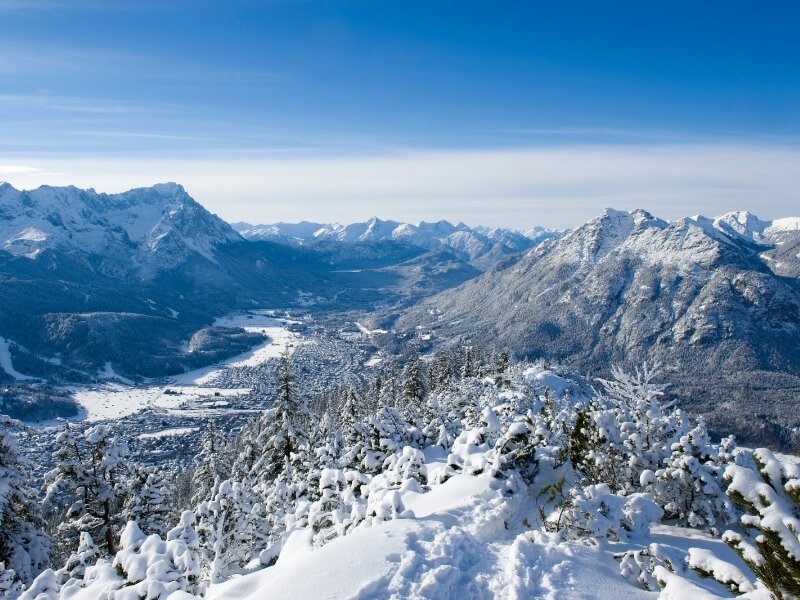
212	465
501	366
441	371
467	366
89	482
86	555
282	437
689	486
581	440
631	432
146	502
24	547
769	492
232	529
327	515
413	381
516	450
10	585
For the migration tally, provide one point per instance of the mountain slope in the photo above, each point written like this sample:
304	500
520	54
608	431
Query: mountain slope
711	298
137	233
88	279
481	247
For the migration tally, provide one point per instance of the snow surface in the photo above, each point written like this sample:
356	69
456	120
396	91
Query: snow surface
192	392
278	339
174	431
461	542
468	538
6	363
139	222
116	400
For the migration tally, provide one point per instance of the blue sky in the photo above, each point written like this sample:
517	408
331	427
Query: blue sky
504	113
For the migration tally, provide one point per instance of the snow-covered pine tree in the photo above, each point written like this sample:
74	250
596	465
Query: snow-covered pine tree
213	465
146	502
89	484
440	427
10	585
768	490
646	431
631	432
24	547
516	449
282	440
86	555
353	431
232	529
327	515
441	371
386	432
246	452
152	568
582	443
467	364
413	386
690	487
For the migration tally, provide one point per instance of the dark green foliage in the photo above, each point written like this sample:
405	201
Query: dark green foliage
581	440
773	520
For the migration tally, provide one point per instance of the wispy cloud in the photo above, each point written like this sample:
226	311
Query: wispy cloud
73	104
23	59
582	132
24	171
18	170
34	6
557	186
144	135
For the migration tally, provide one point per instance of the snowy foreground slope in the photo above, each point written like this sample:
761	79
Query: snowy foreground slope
463	539
520	482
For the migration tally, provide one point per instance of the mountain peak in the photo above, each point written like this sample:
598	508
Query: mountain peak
169	189
162	219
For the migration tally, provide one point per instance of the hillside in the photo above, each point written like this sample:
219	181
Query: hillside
717	301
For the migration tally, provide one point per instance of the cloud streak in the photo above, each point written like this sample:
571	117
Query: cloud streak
559	186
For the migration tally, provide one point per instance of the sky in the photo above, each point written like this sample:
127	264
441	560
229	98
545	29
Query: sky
498	113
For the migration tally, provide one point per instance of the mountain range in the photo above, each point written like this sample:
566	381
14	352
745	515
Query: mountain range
128	283
90	279
479	246
716	301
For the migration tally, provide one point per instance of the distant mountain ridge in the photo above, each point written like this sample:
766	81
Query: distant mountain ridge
480	246
149	229
717	301
89	280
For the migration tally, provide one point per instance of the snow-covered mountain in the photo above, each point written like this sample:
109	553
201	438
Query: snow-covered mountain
150	230
91	279
479	246
716	299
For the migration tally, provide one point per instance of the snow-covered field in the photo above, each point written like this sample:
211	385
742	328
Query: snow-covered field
7	365
168	432
114	400
275	330
192	392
